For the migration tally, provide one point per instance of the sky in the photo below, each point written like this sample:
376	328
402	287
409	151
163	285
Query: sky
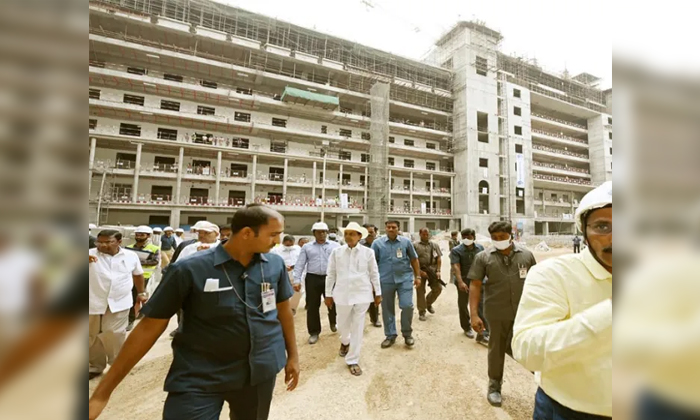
576	36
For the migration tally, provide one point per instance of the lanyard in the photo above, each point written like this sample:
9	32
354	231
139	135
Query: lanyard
264	286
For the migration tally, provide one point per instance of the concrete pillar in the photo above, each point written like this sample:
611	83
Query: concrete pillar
545	228
339	221
411	225
389	197
284	180
313	183
431	191
178	183
323	189
253	179
217	186
410	191
366	189
452	194
340	181
175	218
91	164
137	169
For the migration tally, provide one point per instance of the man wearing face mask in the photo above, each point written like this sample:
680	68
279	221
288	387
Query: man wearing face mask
563	329
462	257
506	265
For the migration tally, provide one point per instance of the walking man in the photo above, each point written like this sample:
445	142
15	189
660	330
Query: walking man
454	240
506	265
462	257
290	254
399	271
367	242
113	273
352	283
237	330
313	259
167	246
149	255
207	237
577	244
563	329
179	237
430	260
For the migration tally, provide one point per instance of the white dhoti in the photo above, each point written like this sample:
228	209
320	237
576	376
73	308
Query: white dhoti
351	325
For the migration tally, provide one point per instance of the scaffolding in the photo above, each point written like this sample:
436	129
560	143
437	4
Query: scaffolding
379	180
363	66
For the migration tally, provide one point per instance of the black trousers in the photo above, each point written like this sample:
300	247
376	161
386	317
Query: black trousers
577	248
315	291
548	409
499	345
373	313
134	295
465	319
247	403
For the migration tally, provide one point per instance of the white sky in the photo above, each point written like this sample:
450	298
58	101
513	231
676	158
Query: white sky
560	34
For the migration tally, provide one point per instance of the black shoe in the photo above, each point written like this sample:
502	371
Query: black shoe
422	317
377	324
334	328
470	334
173	333
483	339
344	350
130	326
410	342
313	339
94	375
494	395
431	310
388	342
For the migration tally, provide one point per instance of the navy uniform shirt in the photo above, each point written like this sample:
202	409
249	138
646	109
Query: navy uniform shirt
464	256
222	344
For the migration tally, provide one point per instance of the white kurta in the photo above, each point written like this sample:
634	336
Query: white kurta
191	249
111	281
352	276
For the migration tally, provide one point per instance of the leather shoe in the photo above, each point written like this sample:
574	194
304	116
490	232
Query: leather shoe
495	399
313	339
94	375
129	326
344	350
334	328
410	342
422	317
377	324
388	342
431	310
482	339
470	334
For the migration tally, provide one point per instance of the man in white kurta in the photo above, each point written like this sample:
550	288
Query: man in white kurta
352	282
290	254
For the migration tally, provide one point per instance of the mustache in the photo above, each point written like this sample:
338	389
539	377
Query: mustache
608	249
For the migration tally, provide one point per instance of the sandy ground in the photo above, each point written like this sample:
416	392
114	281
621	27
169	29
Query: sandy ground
444	377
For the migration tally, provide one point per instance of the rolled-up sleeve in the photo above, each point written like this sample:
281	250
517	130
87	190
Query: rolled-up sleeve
544	338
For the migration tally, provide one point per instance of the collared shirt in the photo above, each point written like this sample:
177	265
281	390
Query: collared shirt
168	243
428	253
454	244
111	281
290	256
352	276
462	255
149	256
224	343
178	240
505	285
191	249
563	331
394	259
314	259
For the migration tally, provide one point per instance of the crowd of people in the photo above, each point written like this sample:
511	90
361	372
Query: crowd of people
558	178
235	291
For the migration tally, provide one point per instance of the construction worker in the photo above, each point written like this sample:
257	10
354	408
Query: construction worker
157	234
167	246
430	259
179	237
149	255
563	328
506	265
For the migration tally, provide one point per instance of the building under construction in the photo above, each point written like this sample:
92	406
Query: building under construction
197	108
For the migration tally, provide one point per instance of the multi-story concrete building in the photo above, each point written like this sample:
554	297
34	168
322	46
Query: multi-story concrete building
197	108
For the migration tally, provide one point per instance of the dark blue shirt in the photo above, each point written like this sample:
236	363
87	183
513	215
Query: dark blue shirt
223	344
394	259
166	244
464	256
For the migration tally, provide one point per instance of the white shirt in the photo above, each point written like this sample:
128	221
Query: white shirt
111	281
17	270
290	256
191	249
178	241
352	276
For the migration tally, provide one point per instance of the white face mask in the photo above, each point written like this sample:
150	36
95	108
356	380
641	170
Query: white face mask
468	242
501	245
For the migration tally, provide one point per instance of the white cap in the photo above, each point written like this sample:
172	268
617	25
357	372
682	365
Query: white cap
319	226
179	230
354	226
596	199
144	229
92	226
168	229
198	224
207	227
157	230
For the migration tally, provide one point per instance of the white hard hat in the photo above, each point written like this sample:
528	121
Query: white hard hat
198	224
207	227
144	229
92	226
157	230
179	230
168	229
354	226
596	199
319	226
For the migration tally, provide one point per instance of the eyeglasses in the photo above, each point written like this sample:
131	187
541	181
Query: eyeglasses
601	228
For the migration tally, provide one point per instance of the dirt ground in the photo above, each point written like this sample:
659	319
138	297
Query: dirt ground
444	377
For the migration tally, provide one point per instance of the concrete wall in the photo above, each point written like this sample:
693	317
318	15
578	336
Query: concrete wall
600	145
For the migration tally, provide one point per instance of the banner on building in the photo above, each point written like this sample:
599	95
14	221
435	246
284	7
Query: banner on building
343	201
520	172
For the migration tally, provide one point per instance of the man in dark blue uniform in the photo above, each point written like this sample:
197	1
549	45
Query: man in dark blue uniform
237	323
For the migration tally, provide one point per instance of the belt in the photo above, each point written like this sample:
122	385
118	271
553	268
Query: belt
314	274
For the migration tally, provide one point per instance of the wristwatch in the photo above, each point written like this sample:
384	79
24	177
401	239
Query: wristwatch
144	294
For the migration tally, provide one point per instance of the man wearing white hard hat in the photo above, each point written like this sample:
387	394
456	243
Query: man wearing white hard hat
167	246
352	283
563	328
314	259
179	237
157	234
149	255
184	243
208	237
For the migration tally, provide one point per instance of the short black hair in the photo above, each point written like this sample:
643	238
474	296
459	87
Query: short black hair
468	232
253	216
424	229
369	225
393	222
222	227
288	238
455	233
502	227
110	233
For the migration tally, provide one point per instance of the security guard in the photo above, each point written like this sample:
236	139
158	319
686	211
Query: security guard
236	326
506	265
149	255
462	257
430	259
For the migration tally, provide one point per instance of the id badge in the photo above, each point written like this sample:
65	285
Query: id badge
268	301
523	272
399	253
